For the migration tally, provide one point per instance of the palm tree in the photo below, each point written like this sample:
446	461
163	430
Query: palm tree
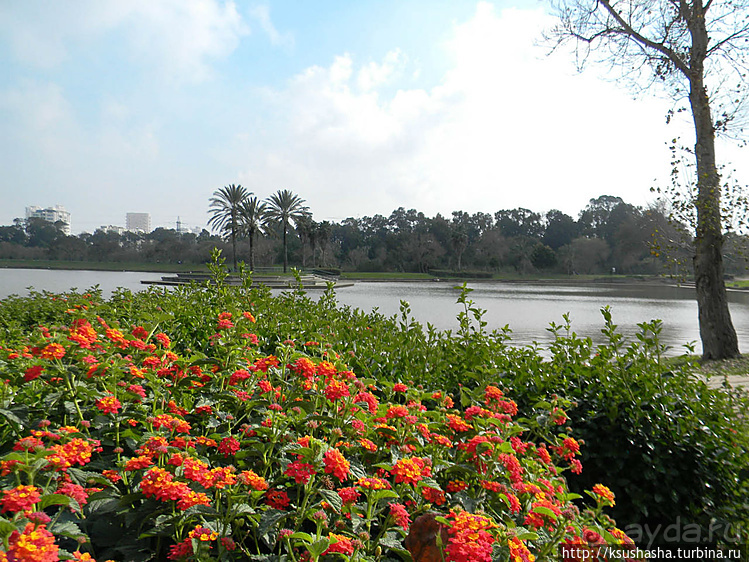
225	215
253	216
284	206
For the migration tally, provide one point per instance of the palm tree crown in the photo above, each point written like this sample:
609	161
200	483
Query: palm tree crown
285	206
225	213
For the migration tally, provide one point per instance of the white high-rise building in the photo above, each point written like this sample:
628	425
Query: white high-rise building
51	214
138	222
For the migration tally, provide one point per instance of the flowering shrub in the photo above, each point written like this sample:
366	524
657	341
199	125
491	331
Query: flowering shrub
122	445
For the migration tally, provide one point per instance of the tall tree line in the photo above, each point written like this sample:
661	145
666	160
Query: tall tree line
607	236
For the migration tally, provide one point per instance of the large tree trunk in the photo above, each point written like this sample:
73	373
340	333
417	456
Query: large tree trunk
718	336
252	251
285	252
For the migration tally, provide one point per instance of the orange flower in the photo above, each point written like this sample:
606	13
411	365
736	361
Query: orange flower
20	498
411	470
108	405
339	543
336	464
253	480
604	494
470	539
53	351
518	551
368	445
400	515
373	483
35	544
336	389
203	534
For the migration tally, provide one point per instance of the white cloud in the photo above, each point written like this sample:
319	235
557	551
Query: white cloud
506	127
176	38
373	74
262	15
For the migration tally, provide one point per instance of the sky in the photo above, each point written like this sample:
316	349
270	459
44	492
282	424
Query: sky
359	107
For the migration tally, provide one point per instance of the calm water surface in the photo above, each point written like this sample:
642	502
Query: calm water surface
528	308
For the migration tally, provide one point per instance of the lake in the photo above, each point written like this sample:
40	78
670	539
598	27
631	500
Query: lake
528	308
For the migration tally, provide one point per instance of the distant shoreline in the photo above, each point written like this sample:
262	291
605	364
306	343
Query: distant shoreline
353	276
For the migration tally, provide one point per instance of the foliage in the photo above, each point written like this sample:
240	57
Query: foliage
516	242
157	426
649	425
226	209
283	207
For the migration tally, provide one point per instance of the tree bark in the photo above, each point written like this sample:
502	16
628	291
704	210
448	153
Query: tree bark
718	335
252	251
285	252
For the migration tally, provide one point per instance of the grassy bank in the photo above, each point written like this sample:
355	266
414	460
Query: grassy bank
103	266
349	275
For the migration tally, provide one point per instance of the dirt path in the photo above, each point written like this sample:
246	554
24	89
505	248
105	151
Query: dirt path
733	371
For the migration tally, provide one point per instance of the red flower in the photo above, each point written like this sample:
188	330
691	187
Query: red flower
457	424
32	373
181	550
396	412
35	544
140	332
74	491
82	333
400	515
336	389
301	472
399	387
456	486
518	551
373	483
277	499
411	470
433	495
53	351
339	543
348	495
604	494
163	339
108	405
20	498
368	398
470	540
137	463
228	446
336	464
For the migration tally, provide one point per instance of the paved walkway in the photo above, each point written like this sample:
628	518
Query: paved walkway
716	381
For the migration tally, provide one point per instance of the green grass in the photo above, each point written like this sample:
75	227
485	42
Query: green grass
725	367
102	266
385	276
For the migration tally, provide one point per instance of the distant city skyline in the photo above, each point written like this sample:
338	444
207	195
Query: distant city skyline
136	222
357	107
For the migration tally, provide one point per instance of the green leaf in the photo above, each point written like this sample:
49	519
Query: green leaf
12	417
6	528
306	537
544	511
527	536
317	548
333	499
57	499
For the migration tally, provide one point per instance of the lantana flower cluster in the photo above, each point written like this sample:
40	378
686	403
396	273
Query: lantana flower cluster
126	446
